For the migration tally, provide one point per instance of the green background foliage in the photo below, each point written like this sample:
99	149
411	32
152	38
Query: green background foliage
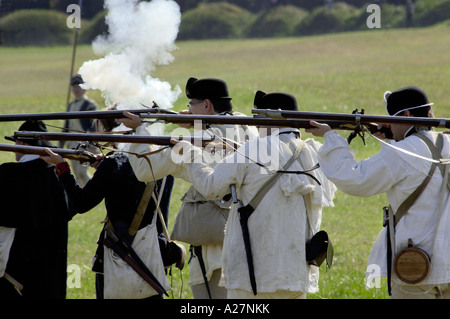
35	27
326	73
44	23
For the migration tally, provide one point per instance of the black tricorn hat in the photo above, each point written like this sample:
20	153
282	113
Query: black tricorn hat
76	79
209	88
406	98
275	101
32	126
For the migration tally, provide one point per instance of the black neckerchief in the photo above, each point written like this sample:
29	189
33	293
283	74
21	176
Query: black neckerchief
297	134
225	113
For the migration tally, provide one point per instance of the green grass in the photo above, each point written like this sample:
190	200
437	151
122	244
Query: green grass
329	73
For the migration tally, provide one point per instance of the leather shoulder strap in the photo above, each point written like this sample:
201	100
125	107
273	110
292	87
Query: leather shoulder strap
263	191
134	227
435	150
436	153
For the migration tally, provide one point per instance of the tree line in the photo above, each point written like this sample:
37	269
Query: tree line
92	7
43	22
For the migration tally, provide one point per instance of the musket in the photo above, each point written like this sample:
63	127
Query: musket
165	116
356	128
355	118
243	120
79	155
119	138
110	114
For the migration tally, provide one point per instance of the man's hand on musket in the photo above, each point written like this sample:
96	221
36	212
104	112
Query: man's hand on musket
185	125
52	157
130	120
319	130
98	160
55	159
384	131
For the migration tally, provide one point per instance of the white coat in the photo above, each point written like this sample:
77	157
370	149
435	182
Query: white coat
163	165
397	174
278	227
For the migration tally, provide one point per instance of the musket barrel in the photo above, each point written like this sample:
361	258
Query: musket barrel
352	118
79	115
264	117
120	138
242	120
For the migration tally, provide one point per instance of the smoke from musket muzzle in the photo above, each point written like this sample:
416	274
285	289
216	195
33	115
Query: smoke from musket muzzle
141	36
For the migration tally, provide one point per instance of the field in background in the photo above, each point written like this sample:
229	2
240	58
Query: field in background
331	73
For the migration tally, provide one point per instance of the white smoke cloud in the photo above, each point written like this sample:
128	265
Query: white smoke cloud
141	36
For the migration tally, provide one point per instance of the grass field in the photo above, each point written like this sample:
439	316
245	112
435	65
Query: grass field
330	73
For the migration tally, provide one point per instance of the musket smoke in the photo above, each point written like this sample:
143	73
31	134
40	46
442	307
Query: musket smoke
141	36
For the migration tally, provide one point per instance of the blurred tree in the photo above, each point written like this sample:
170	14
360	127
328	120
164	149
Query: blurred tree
186	5
29	4
217	20
89	8
410	13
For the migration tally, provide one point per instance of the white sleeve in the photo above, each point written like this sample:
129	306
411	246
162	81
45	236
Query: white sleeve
368	177
161	162
214	183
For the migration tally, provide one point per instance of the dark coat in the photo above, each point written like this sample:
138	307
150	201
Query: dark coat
34	202
115	182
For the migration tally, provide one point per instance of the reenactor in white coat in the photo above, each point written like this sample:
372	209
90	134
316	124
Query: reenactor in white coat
399	170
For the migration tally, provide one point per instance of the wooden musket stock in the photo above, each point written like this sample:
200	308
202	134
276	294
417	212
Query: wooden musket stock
79	155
